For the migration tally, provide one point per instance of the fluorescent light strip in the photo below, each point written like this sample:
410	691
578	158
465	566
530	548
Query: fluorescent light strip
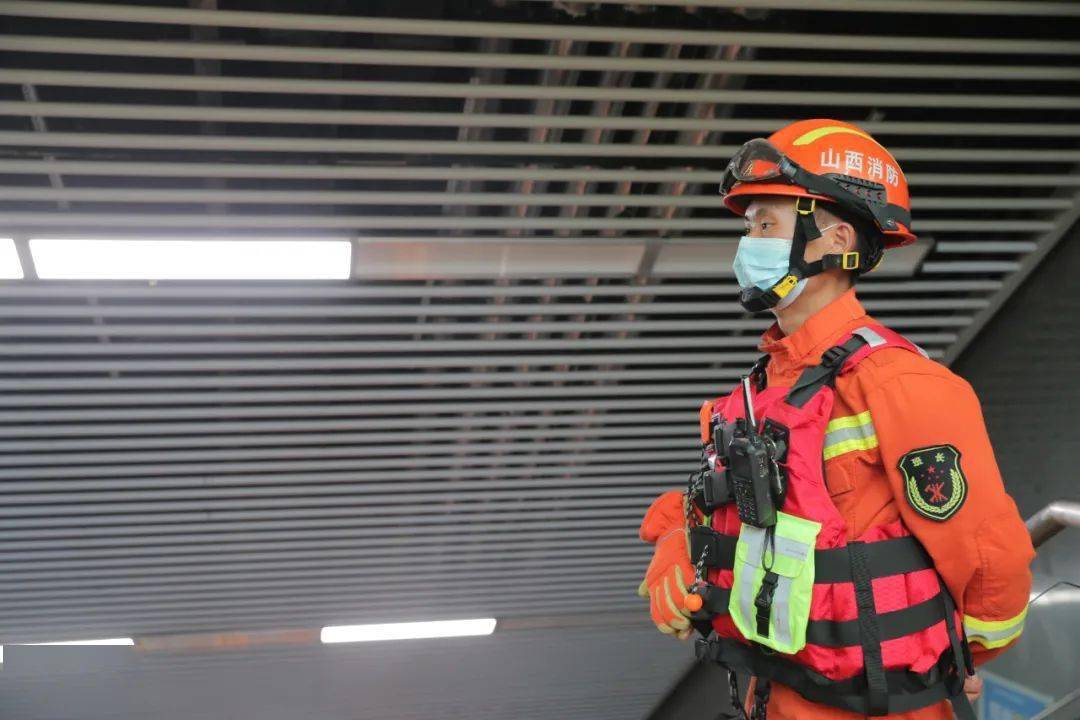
10	267
180	259
407	631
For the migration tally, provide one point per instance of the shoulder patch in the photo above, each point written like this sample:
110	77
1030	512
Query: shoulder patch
934	484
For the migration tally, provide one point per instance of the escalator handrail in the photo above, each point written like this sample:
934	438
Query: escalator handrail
1052	519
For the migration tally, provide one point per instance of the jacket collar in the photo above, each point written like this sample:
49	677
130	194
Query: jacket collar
818	333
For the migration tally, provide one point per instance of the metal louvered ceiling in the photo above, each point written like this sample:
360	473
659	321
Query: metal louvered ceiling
542	298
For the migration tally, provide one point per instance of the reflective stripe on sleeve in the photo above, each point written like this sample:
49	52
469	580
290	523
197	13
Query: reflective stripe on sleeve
845	434
994	633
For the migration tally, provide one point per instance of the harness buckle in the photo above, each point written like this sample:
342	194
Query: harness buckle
799	205
706	648
833	355
763	602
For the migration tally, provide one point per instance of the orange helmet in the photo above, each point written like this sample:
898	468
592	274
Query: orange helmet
825	160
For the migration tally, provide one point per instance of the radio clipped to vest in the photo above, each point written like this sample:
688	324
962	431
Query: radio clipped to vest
753	468
742	465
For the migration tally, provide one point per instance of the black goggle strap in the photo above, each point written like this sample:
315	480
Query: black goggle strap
819	185
884	217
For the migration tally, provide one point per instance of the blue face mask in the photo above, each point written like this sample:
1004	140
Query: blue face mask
763	262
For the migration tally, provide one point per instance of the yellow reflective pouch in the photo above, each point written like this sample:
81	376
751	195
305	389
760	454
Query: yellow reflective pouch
774	582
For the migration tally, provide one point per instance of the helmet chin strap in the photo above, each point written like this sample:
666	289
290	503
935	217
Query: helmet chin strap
806	231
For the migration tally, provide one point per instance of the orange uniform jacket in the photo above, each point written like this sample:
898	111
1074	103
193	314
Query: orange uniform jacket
892	402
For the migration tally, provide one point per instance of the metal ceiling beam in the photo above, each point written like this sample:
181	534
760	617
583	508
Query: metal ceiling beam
47	566
425	329
262	312
190	429
99	12
45	554
988	246
496	60
147	544
1020	8
348	197
342	197
130	541
363	410
210	169
412	222
463	473
377	146
456	465
352	172
273	584
627	510
552	481
949	267
452	449
105	289
84	349
199	592
52	384
263	330
269	561
432	147
382	222
308	86
58	446
82	368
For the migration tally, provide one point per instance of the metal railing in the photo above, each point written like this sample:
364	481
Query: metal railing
1052	519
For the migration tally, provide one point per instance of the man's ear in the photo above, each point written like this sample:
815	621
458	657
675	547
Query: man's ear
845	239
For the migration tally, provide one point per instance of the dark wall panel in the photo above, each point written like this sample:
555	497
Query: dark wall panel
1025	366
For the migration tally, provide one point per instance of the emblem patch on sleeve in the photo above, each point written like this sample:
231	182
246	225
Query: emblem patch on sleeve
933	481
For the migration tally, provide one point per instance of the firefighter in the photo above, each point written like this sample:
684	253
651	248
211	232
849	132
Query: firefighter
883	486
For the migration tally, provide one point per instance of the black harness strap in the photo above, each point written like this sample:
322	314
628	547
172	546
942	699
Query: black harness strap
877	690
962	658
886	557
832	633
815	377
891	625
896	556
719	549
906	690
757	371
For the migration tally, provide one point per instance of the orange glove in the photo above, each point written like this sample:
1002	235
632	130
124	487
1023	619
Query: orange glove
670	570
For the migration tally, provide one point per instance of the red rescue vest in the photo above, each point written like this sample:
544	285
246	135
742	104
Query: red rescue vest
883	635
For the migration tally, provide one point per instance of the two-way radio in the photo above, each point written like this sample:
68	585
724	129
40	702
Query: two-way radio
753	473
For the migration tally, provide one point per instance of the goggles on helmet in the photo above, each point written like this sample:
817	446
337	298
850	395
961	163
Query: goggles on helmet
756	161
759	160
